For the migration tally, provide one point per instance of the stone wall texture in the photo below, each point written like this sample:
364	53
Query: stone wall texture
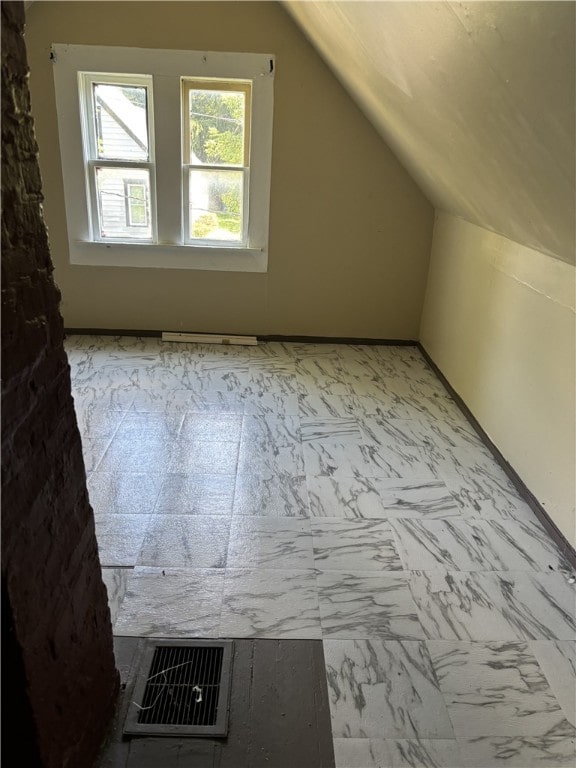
55	613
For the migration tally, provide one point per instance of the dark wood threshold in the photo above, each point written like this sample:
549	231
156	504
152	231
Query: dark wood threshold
287	339
109	332
555	533
340	340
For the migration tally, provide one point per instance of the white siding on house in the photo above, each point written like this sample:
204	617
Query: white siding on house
113	202
121	125
114	136
122	134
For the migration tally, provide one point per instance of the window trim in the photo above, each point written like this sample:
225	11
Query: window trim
167	69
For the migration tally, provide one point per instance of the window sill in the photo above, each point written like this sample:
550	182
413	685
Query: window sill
154	256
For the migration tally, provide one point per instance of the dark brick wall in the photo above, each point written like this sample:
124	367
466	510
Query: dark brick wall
58	620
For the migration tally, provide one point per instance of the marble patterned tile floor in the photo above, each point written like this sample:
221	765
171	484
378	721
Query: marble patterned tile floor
333	492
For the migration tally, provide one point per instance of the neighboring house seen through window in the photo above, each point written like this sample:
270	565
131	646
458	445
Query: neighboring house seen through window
171	166
119	150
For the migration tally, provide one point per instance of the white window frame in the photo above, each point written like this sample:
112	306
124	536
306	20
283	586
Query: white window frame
167	69
86	82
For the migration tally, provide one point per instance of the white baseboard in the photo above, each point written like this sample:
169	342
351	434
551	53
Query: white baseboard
208	338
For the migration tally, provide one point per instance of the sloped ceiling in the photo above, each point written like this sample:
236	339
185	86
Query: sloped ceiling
476	98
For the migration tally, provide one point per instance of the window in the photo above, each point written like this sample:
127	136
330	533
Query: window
137	210
166	156
216	137
118	143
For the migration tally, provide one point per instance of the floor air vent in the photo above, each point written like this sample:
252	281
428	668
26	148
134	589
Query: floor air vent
183	689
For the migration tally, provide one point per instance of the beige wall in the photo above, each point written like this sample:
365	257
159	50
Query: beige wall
350	232
499	321
476	98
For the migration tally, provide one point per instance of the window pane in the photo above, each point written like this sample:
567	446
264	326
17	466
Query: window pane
121	112
124	203
217	127
136	201
216	203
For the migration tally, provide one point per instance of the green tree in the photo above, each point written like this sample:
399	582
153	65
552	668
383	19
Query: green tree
136	95
217	126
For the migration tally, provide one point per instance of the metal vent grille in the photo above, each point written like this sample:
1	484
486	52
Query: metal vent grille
183	689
